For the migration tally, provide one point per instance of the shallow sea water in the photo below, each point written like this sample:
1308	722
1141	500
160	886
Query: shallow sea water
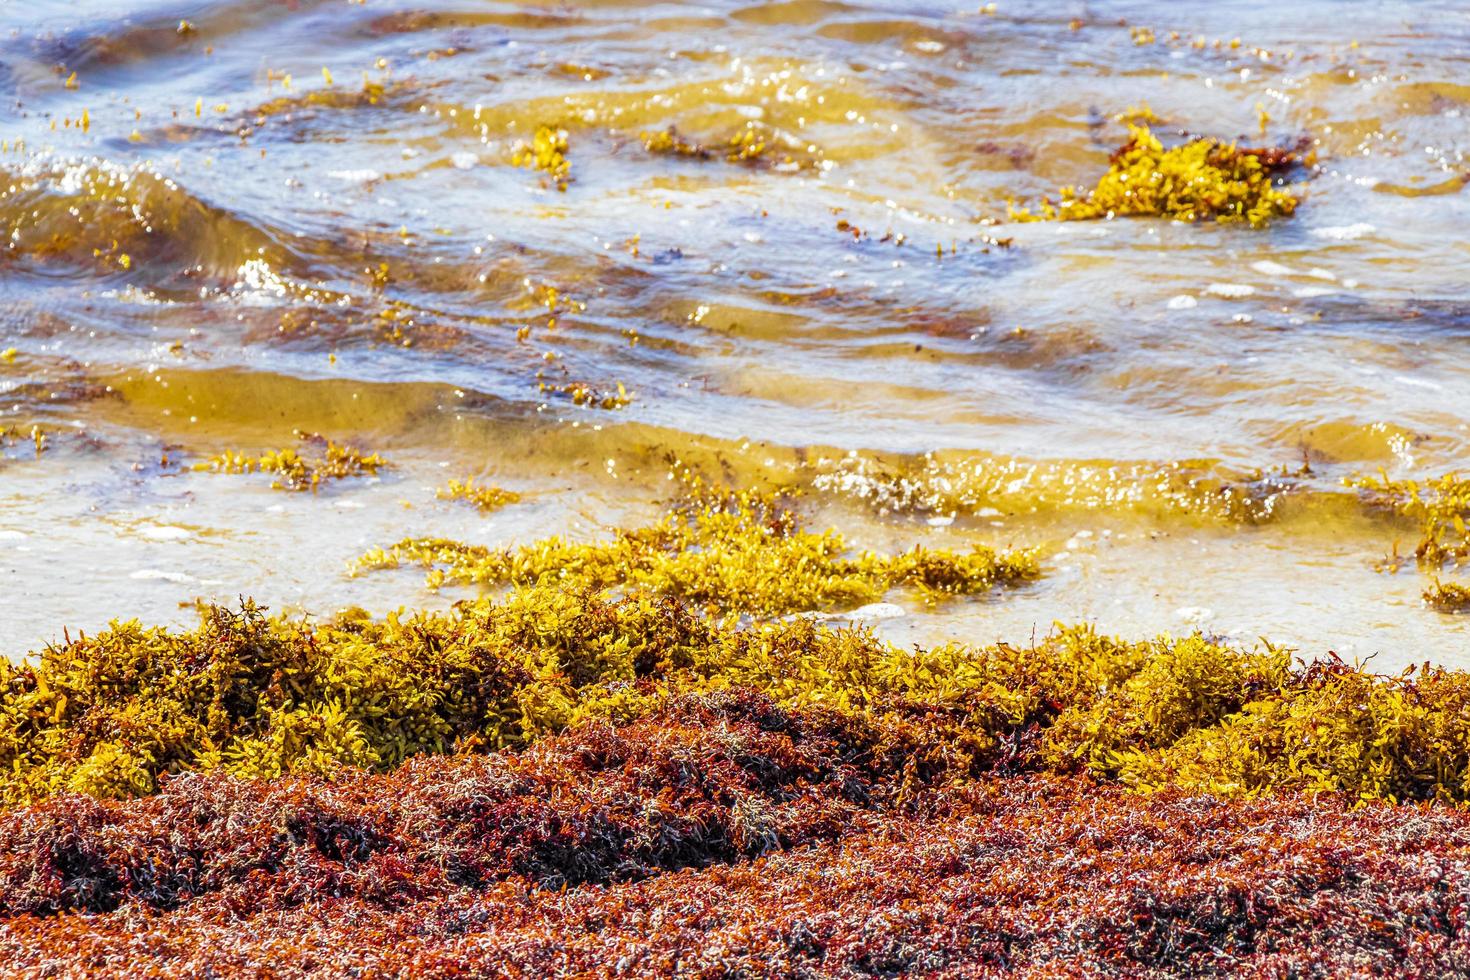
228	222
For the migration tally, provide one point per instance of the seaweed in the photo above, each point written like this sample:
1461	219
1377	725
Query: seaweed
723	835
597	805
255	696
547	152
1440	507
1447	596
668	142
35	435
582	394
485	499
745	551
295	472
751	145
746	146
1202	179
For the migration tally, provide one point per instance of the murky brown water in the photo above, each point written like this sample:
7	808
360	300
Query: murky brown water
239	220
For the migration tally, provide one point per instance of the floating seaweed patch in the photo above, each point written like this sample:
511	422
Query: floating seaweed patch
557	303
746	146
668	142
35	435
292	470
1440	508
1138	115
745	551
1448	596
753	144
486	499
1202	179
547	152
400	324
584	394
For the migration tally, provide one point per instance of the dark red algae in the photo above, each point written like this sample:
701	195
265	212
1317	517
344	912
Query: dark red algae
724	836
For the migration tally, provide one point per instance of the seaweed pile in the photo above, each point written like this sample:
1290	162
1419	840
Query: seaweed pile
642	772
636	761
255	696
722	835
569	327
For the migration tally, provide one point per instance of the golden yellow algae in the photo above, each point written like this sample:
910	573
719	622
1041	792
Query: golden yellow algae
1141	114
747	145
293	471
752	144
669	142
1199	180
547	151
1242	724
586	395
745	551
1448	596
1440	507
371	94
258	696
487	499
37	436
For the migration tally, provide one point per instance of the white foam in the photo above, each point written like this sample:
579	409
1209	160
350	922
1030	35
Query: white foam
878	610
1268	268
166	532
153	574
1194	614
1343	233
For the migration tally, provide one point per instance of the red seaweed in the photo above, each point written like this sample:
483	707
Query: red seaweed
722	835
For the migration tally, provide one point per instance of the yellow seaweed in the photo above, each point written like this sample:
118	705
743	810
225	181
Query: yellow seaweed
1203	179
745	551
294	471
